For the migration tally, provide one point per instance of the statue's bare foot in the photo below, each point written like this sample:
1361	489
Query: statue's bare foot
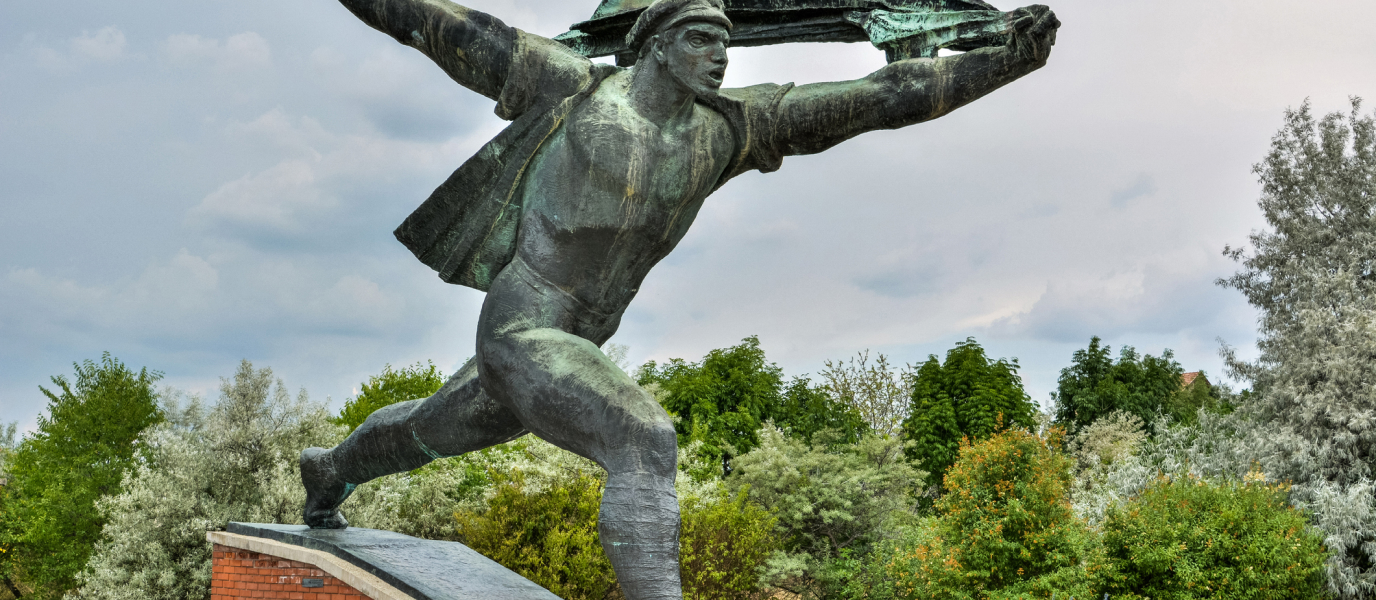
324	490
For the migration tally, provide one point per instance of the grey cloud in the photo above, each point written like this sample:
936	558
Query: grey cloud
104	45
241	51
1144	185
1153	299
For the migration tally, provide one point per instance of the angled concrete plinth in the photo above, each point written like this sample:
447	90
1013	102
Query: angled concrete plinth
422	569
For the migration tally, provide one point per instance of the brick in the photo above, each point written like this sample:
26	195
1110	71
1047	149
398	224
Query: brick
241	575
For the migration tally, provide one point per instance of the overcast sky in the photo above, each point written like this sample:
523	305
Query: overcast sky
188	184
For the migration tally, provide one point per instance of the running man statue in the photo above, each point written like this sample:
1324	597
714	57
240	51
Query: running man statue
563	214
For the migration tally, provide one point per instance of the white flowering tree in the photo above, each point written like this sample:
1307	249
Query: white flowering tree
235	461
1312	275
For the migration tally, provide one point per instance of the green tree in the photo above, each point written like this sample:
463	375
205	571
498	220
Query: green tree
83	446
1184	404
1004	528
1094	386
880	393
1184	539
7	445
969	396
1312	277
723	400
809	409
390	387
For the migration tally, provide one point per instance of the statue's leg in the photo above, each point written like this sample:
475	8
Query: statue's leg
565	390
459	418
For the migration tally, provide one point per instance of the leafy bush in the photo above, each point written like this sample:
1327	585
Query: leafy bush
390	387
1112	438
1005	528
539	519
725	544
80	452
548	535
970	396
832	503
1184	404
422	503
1184	539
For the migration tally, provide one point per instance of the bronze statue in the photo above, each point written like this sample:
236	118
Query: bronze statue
562	215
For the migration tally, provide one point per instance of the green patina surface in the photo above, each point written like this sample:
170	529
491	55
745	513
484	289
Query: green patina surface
902	28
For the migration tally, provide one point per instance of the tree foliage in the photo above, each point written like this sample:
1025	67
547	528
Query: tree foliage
547	535
727	541
1312	276
879	392
7	446
832	502
390	387
1184	539
969	396
723	401
808	410
539	514
83	446
1095	386
235	462
1005	527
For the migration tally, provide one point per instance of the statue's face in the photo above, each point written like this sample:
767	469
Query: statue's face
695	54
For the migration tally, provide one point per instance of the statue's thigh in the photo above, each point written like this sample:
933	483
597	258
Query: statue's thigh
565	390
461	417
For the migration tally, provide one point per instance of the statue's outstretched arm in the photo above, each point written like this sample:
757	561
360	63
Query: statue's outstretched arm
815	117
473	47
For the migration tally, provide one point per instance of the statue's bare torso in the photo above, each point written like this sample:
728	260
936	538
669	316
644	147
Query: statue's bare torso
611	194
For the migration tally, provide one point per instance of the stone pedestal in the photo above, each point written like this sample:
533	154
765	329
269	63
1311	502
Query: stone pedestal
294	562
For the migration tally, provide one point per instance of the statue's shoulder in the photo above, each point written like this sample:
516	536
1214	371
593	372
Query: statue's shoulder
752	103
760	92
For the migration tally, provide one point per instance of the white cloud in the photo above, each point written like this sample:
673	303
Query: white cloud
279	199
319	178
105	45
243	51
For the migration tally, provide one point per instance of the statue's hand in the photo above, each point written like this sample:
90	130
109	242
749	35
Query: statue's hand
1034	32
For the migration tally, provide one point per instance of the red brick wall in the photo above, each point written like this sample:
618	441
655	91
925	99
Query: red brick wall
242	574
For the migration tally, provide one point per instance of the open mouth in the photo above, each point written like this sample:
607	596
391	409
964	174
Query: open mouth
717	75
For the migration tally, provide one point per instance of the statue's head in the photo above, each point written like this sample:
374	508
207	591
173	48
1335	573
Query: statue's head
688	38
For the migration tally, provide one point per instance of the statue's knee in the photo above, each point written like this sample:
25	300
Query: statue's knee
392	414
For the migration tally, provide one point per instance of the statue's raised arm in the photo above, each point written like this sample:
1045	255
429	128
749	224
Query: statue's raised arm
815	117
473	47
